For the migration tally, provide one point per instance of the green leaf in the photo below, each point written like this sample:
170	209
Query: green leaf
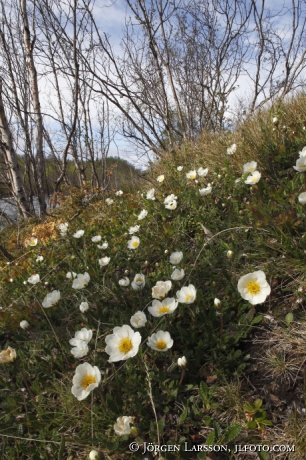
218	430
252	425
289	318
257	319
263	455
210	438
232	431
183	415
258	403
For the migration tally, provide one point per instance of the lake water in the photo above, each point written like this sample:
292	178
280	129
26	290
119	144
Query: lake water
7	205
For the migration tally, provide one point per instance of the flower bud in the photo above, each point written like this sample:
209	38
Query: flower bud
275	121
217	303
24	324
94	455
182	362
229	254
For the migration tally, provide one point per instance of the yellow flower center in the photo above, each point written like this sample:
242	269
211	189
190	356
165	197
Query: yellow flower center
87	380
138	320
161	344
303	166
253	287
188	297
251	169
163	309
192	176
254	179
139	280
135	244
125	345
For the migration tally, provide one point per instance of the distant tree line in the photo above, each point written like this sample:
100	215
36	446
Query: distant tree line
65	92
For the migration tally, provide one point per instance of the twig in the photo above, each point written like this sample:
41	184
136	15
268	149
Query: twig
152	402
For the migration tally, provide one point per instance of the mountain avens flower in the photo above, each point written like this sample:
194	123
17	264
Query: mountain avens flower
302	198
51	299
32	241
71	275
205	191
138	320
253	178
232	149
8	356
182	362
164	307
124	281
301	162
34	279
122	426
179	168
96	239
160	341
80	348
63	228
84	307
139	281
191	174
150	194
134	229
104	261
133	243
178	274
160	179
250	166
143	214
81	281
176	257
39	259
119	193
109	201
78	234
202	172
122	344
86	379
187	294
254	287
161	289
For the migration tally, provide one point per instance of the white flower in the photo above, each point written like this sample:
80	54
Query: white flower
138	282
205	191
217	302
254	287
301	162
102	246
32	242
254	178
232	149
150	194
237	181
302	152
109	201
80	349
124	281
122	344
275	120
134	229
250	166
63	228
302	198
160	341
24	324
39	259
162	308
182	362
8	356
34	279
191	174
229	254
202	172
122	426
178	274
94	455
161	289
81	281
84	307
133	243
51	299
172	205
86	379
119	193
78	234
84	334
176	257
138	320
170	198
187	294
69	275
104	261
96	239
160	179
143	214
179	168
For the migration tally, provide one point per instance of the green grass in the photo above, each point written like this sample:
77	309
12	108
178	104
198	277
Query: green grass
237	353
